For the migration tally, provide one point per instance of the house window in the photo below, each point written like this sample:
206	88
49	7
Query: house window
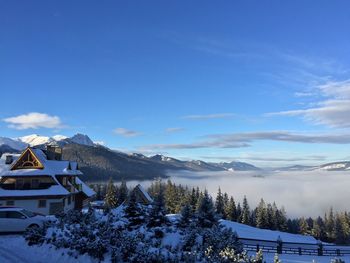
69	200
42	203
35	183
19	183
10	203
64	201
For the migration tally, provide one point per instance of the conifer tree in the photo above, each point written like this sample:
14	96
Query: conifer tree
157	214
231	210
205	212
226	201
123	192
303	226
245	218
330	225
134	212
186	215
111	200
261	215
219	204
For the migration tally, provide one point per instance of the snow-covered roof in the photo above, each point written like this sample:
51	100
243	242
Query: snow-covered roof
85	189
51	167
51	191
144	192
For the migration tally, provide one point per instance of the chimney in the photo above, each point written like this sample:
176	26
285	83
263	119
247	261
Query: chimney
9	159
54	152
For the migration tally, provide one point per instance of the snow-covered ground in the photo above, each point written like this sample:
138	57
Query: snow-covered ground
244	231
13	248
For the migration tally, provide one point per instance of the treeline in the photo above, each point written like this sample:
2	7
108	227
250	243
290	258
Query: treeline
332	227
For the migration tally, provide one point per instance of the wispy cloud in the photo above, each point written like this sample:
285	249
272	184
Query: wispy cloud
126	132
239	140
250	157
174	130
34	120
208	116
332	110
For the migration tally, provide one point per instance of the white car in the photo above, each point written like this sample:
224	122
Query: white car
16	219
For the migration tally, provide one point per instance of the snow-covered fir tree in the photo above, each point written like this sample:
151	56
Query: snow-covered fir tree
134	212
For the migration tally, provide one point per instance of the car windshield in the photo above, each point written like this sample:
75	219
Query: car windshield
28	213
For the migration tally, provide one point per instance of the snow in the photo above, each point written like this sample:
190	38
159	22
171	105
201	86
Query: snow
35	139
82	139
85	189
14	248
144	192
14	144
244	231
51	191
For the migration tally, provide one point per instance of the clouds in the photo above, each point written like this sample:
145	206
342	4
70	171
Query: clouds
239	140
301	193
126	132
332	110
34	120
208	116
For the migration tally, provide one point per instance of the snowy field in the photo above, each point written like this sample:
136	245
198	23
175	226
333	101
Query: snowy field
13	248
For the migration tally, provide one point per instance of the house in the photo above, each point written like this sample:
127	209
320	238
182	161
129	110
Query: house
142	196
40	181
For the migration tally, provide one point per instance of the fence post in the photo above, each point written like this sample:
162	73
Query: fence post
299	249
257	247
338	252
279	245
320	249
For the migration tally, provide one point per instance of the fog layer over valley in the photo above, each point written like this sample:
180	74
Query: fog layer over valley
302	193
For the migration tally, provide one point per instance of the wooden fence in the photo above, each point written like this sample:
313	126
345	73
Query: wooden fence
280	247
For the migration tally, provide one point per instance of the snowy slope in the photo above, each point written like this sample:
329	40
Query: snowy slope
244	231
82	139
14	144
35	139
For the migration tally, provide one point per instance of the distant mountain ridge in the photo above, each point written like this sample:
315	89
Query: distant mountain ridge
99	162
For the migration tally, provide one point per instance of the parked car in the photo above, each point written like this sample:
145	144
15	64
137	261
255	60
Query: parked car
16	219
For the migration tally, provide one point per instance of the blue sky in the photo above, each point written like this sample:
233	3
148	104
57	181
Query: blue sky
267	82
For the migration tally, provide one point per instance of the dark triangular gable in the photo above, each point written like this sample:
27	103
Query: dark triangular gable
27	160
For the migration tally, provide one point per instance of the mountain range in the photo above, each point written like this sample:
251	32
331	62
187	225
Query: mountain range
98	163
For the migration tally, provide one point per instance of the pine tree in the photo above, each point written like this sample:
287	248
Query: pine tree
123	192
245	212
303	226
226	201
219	204
261	215
193	200
111	200
318	229
239	213
231	210
134	212
186	216
205	212
157	215
330	225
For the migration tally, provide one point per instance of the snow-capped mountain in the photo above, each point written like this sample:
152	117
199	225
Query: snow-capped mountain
82	139
35	139
336	166
12	143
238	166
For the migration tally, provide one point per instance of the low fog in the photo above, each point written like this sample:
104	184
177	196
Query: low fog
304	193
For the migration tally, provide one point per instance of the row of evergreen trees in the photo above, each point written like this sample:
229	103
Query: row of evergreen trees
188	201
